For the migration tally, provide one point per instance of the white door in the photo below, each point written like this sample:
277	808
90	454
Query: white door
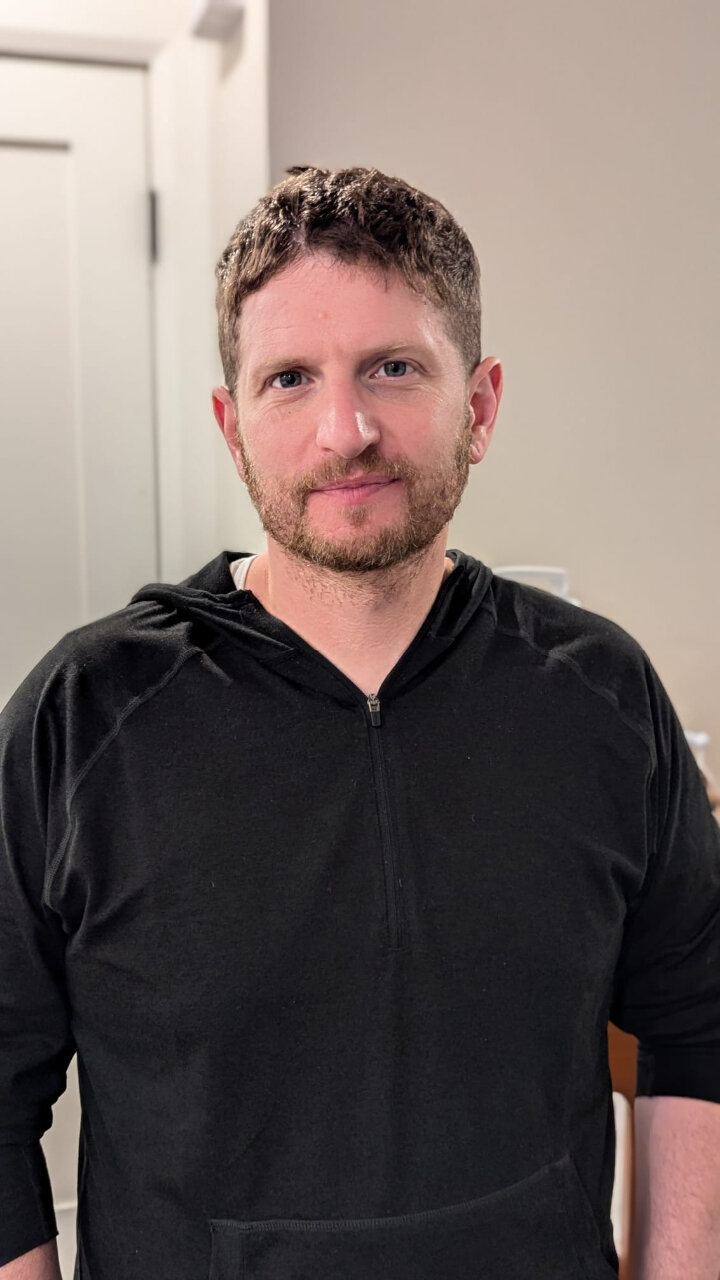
78	513
77	485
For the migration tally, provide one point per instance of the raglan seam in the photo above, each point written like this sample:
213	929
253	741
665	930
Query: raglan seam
134	704
611	699
601	692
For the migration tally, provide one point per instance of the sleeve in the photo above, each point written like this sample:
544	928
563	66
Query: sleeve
36	1043
667	983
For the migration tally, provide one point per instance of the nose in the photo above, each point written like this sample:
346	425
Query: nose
344	426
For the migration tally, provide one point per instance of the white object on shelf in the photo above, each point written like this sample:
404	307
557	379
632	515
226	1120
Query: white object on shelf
698	741
547	577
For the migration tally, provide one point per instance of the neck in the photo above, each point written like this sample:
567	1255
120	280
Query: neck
361	622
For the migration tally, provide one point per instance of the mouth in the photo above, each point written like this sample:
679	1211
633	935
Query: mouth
356	488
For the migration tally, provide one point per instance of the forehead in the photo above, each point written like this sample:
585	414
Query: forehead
320	301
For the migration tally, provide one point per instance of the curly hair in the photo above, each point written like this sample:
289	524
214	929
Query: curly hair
358	216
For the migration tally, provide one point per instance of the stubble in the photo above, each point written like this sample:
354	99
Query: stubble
432	497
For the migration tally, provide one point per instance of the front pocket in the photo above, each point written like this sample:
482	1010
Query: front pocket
539	1229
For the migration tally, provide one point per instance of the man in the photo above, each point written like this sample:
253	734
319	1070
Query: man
332	863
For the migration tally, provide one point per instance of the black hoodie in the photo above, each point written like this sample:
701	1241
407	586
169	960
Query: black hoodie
338	970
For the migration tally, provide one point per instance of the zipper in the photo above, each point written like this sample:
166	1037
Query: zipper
374	705
389	854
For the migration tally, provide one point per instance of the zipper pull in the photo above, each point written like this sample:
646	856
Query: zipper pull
374	705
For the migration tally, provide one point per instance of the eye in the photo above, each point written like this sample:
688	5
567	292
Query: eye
287	380
395	368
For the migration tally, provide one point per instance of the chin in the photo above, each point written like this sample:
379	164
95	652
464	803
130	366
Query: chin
382	549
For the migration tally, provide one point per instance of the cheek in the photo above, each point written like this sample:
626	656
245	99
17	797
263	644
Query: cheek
448	415
275	452
281	428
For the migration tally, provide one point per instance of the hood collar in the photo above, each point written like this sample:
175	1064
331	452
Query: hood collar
210	599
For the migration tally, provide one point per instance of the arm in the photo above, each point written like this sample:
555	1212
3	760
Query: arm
35	1019
39	1264
667	994
677	1189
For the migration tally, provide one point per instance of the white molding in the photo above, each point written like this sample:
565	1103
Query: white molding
70	47
180	91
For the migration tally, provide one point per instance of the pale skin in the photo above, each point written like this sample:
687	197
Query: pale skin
39	1264
339	327
676	1231
333	318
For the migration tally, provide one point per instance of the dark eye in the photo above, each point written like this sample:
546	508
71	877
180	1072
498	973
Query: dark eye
394	368
288	379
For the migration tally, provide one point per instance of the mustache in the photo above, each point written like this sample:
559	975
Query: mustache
370	462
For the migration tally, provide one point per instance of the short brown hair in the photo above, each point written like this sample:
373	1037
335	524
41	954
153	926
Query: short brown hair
357	215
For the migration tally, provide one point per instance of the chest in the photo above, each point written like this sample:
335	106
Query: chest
266	845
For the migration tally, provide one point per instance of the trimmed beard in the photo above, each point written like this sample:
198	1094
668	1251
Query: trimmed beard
432	499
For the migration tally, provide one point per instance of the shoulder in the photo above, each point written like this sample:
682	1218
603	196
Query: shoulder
122	650
124	654
90	681
573	646
555	625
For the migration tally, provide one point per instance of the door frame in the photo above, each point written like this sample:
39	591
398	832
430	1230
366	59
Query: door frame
181	73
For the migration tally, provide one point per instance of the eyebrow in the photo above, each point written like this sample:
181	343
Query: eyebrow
263	371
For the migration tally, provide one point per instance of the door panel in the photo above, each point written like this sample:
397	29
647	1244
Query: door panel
77	485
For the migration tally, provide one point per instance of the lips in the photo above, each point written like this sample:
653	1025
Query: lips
354	490
355	482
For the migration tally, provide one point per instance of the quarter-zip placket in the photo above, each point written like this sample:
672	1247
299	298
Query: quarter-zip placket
389	852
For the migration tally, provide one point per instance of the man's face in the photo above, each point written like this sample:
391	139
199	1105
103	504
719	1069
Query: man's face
354	423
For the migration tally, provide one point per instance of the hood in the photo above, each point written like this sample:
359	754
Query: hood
209	598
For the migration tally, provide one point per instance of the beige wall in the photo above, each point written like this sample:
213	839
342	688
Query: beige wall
577	143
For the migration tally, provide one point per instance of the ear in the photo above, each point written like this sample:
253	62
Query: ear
226	417
486	387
